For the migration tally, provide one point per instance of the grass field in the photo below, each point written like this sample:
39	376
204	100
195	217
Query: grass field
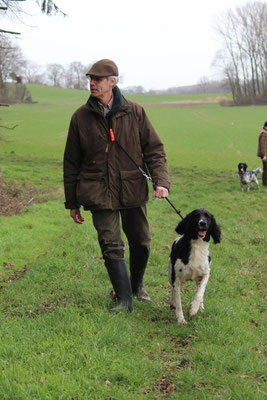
58	340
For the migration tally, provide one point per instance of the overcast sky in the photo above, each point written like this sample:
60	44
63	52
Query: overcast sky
156	44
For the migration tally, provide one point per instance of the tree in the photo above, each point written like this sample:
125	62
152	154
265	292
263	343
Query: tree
11	61
75	76
55	73
15	8
33	73
243	57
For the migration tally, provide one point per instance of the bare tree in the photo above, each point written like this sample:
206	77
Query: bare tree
243	57
33	73
75	76
11	61
55	74
203	84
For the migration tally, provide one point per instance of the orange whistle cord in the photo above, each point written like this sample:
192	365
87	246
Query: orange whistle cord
112	137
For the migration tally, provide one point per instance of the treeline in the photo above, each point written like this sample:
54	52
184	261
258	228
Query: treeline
241	62
15	68
204	86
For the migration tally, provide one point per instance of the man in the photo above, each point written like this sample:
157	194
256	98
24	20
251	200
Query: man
108	139
262	152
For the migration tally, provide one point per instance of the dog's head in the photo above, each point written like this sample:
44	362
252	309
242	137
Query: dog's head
242	167
200	223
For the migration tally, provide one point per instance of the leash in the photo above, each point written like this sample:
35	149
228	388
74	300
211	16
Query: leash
148	178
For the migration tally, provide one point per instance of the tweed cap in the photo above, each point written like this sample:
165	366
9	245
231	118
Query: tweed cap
103	68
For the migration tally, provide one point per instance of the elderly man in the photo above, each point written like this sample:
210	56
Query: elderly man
109	138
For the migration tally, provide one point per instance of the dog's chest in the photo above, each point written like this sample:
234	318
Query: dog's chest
198	262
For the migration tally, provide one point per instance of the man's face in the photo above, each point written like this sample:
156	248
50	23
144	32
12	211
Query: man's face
101	88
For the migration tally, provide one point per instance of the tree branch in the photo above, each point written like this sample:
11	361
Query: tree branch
10	32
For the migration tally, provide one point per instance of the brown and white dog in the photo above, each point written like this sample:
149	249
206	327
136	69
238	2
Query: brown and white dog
190	258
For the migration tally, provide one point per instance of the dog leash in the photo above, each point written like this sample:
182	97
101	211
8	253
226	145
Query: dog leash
148	178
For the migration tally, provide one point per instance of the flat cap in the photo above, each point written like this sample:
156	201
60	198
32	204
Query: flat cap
103	68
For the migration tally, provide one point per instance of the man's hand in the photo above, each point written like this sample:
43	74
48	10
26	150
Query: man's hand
160	192
76	215
264	158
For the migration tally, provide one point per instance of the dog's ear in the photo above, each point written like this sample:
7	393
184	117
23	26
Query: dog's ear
215	231
181	227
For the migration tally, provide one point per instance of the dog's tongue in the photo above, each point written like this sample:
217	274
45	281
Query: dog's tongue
202	233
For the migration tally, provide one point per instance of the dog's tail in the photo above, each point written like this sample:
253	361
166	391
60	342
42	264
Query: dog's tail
257	171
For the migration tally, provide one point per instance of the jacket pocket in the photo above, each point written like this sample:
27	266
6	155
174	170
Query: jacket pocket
134	189
91	189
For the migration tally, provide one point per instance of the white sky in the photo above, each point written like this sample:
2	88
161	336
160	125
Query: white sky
155	43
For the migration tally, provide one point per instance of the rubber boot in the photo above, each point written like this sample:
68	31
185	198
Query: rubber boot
138	263
119	278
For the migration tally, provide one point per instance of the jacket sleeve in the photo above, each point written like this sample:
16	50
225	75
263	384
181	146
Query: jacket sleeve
262	146
153	152
72	165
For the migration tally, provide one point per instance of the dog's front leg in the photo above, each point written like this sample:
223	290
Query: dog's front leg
198	299
201	307
177	303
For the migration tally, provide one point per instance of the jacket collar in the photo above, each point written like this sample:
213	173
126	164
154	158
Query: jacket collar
118	102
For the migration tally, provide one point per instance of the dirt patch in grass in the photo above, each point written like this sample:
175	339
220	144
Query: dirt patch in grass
188	103
14	198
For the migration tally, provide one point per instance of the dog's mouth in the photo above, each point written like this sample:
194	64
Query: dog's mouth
202	234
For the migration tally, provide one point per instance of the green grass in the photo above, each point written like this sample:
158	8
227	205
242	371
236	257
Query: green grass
58	340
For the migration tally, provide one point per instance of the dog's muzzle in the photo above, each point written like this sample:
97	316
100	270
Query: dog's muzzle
202	228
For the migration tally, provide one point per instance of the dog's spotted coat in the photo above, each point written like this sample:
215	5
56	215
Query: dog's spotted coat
190	258
247	177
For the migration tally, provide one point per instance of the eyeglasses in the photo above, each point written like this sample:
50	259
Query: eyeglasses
96	78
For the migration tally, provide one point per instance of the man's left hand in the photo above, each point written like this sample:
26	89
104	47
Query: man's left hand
160	192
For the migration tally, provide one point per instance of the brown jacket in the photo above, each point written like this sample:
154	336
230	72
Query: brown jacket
97	172
262	146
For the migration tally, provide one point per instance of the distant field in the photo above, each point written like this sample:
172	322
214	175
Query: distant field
58	340
200	136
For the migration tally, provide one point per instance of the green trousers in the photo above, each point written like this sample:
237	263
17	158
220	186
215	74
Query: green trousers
135	225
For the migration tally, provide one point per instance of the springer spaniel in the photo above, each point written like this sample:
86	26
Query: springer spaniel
246	177
190	259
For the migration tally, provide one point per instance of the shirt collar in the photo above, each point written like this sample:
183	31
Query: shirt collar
107	107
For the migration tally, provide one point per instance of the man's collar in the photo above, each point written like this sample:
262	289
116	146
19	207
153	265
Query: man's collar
109	105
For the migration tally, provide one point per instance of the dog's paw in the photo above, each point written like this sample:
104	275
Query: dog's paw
181	321
193	309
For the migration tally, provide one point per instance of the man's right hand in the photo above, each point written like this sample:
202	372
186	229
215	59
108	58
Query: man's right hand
76	215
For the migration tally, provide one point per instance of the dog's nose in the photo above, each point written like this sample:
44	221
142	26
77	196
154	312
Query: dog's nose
202	224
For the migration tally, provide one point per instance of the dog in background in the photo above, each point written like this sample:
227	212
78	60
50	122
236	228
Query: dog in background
190	258
247	177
